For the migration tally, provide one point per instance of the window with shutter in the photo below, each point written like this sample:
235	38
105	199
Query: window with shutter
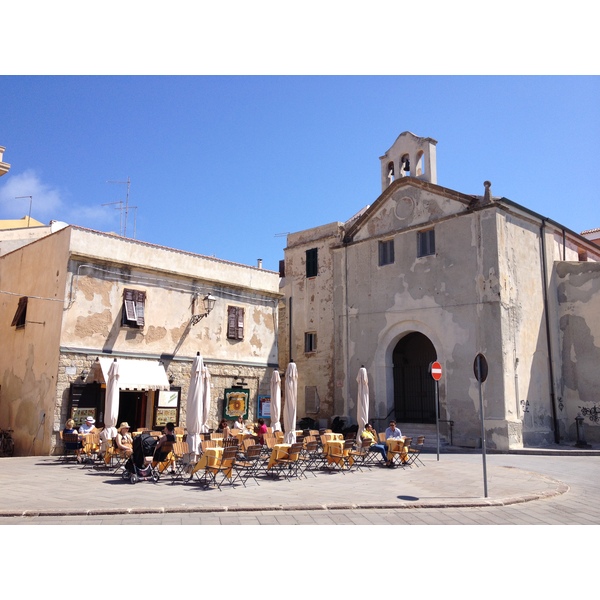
133	308
310	342
425	243
386	253
312	262
21	314
235	323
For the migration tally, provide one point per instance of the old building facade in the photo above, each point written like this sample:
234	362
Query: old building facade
76	299
427	273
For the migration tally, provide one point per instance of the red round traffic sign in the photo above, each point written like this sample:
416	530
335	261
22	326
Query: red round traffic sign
436	370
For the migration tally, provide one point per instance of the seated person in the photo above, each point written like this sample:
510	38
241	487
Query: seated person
369	434
260	431
89	426
392	431
239	423
168	437
224	429
123	439
70	428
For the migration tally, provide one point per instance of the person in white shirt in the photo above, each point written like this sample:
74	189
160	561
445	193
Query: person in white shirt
392	431
88	426
239	423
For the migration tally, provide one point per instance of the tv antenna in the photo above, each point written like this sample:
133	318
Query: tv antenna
126	209
120	209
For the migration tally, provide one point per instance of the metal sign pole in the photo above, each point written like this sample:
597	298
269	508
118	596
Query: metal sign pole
437	417
479	378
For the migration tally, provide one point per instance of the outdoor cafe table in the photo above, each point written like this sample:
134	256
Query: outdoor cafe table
211	457
333	436
337	447
397	445
279	451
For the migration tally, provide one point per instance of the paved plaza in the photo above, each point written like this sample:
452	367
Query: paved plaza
560	486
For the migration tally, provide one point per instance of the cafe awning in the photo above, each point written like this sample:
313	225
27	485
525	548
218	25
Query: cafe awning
136	374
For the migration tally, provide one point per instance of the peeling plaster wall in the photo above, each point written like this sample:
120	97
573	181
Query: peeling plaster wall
313	311
29	357
87	271
169	278
483	291
452	297
578	293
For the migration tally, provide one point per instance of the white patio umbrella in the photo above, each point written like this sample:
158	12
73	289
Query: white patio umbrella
194	414
362	404
111	400
206	403
276	401
291	400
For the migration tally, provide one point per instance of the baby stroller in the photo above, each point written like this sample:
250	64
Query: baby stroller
137	467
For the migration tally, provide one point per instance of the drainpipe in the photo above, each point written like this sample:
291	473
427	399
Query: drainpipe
547	319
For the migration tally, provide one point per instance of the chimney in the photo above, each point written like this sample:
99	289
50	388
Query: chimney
487	194
259	263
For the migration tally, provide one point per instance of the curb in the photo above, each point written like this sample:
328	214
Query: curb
561	488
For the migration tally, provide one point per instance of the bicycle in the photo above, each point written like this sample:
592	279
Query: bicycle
7	445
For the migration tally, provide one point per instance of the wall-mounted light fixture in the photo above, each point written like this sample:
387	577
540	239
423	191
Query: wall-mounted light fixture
209	303
84	374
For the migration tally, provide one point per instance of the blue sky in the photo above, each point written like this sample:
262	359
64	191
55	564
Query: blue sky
223	165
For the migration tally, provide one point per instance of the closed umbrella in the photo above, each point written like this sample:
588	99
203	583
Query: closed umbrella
194	414
362	405
111	401
276	401
291	400
206	403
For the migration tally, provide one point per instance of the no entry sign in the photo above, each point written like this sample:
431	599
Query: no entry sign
436	370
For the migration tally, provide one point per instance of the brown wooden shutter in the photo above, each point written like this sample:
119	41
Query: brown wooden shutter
140	308
19	318
240	323
235	323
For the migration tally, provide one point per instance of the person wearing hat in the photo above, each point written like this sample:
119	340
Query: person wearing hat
124	440
88	426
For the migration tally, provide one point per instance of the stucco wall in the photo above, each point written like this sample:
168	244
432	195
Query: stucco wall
313	310
29	357
578	293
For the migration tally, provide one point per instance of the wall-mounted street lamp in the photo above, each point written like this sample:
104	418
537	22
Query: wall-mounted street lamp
209	303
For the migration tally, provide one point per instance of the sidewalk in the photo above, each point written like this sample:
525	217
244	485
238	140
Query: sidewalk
40	486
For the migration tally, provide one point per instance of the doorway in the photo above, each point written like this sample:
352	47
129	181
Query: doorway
414	388
132	409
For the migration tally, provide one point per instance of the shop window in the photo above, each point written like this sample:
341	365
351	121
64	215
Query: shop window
19	318
133	312
386	253
235	323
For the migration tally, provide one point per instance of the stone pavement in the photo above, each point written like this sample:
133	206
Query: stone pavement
45	486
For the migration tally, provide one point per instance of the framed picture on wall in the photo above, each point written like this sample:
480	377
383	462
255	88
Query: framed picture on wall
166	407
264	407
237	402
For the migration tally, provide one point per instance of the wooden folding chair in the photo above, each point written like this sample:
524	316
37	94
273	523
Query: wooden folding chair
224	468
247	465
414	451
71	445
360	454
289	465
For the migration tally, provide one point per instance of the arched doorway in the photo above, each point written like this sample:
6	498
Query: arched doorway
414	388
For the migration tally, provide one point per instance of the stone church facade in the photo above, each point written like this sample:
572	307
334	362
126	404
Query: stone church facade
426	273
